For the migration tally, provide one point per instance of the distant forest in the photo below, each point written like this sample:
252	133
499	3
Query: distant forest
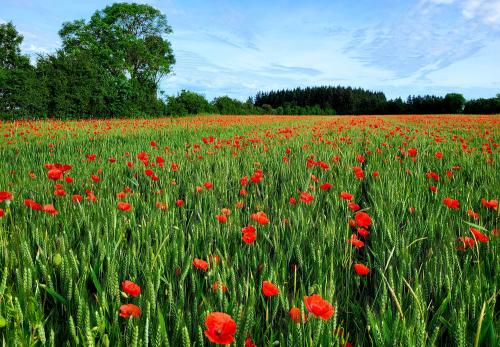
111	66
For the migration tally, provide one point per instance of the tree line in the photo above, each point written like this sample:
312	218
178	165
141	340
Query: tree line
111	65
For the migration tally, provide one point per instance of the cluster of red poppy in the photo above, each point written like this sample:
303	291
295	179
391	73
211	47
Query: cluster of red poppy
130	310
152	165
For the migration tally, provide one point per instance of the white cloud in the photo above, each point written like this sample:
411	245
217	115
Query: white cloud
38	49
487	10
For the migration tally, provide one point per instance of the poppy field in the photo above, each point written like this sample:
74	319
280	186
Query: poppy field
250	231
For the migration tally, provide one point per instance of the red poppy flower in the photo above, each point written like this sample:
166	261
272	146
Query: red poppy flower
248	229
49	208
346	196
249	238
221	218
325	186
179	202
124	206
129	310
473	214
28	202
490	204
293	201
353	206
363	219
432	175
257	176
225	211
356	242
465	242
34	205
361	269
244	181
76	198
220	328
260	217
479	235
95	178
269	289
306	198
200	264
131	288
2	213
90	196
363	232
375	174
358	172
432	188
208	185
59	192
319	307
295	315
412	152
5	196
249	342
451	203
148	172
438	155
55	174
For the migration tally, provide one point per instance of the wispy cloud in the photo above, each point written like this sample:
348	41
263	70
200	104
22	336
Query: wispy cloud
423	40
294	70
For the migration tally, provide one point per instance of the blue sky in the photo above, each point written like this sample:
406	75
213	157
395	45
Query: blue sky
237	48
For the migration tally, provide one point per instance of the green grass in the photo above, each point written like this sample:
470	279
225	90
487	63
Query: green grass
61	275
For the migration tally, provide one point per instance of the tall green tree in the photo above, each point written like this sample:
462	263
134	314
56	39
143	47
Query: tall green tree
20	90
187	102
454	103
127	39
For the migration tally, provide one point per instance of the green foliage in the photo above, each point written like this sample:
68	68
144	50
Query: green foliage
454	103
20	90
187	102
108	66
483	106
323	100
